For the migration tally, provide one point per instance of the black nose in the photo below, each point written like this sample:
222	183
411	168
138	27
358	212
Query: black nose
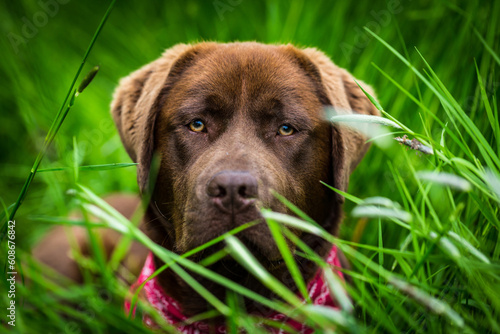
232	191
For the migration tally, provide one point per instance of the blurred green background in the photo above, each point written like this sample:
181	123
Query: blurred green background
43	42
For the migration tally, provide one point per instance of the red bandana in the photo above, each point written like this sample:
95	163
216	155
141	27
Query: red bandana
171	311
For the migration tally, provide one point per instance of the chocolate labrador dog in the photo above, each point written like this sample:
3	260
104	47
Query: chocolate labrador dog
230	123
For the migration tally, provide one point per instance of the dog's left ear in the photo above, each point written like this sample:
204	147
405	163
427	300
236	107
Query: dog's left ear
139	98
337	89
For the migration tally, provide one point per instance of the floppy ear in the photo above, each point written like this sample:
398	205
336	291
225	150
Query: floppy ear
138	100
336	88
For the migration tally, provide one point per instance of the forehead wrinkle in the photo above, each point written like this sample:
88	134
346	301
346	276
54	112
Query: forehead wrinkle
216	83
246	78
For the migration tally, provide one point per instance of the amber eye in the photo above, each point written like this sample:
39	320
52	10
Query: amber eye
197	125
286	130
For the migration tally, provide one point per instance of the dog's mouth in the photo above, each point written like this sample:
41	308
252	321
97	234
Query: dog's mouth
270	262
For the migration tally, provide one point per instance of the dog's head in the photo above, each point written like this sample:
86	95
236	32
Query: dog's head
230	123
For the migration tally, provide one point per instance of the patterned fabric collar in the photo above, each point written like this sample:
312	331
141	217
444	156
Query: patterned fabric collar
170	310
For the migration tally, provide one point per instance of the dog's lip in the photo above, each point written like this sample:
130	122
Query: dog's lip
247	202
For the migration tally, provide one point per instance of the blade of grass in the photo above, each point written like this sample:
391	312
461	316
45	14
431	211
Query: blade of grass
289	259
489	112
487	47
350	197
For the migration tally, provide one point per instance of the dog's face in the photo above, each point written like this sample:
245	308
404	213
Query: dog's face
238	122
231	123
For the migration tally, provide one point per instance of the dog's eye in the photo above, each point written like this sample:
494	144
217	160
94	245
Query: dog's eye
197	125
286	130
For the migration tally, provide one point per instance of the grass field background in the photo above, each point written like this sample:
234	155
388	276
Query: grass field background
435	271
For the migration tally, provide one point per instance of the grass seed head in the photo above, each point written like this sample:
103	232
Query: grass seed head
88	79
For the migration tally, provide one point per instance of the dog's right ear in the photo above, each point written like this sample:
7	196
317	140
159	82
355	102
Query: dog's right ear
337	89
139	98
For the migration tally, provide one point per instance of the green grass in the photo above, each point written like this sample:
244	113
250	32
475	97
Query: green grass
421	231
